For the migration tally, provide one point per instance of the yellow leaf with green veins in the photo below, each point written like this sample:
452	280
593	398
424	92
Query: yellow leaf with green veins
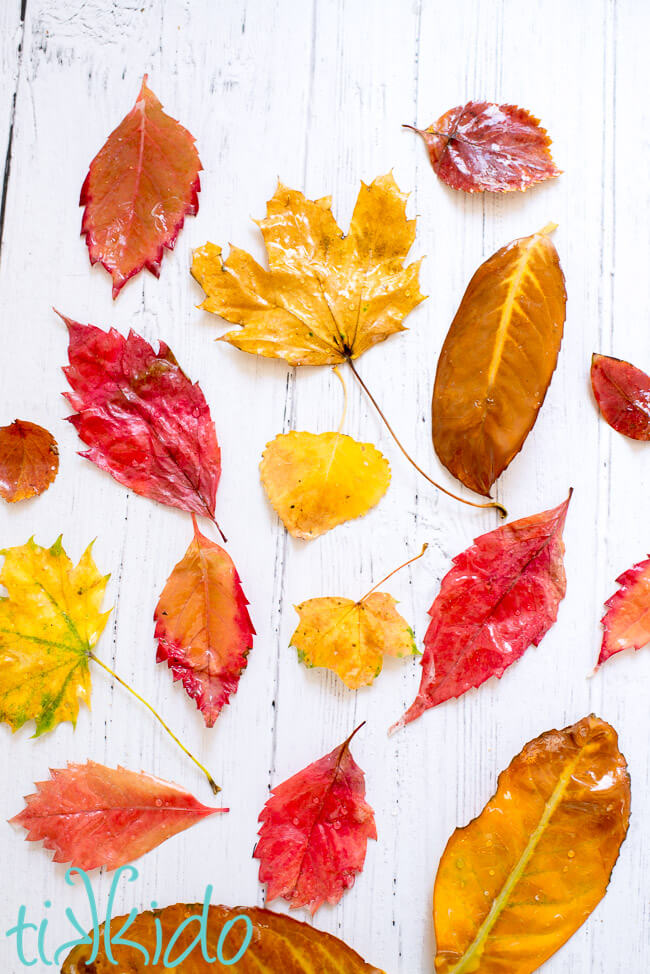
49	622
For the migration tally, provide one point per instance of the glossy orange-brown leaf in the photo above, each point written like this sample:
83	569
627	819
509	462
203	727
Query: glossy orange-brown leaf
29	460
518	881
278	945
498	359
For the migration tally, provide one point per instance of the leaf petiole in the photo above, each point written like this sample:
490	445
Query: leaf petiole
394	572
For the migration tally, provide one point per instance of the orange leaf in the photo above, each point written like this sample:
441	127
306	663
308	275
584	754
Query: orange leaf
518	881
29	460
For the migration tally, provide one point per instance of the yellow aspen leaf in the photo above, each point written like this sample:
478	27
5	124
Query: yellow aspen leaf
326	297
318	480
49	623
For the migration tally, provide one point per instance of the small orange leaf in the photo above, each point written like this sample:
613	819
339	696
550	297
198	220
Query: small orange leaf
29	460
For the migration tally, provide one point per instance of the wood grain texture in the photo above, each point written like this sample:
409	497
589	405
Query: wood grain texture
315	93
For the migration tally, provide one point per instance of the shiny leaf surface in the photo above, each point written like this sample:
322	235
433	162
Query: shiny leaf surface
91	816
481	147
29	460
623	395
518	881
326	296
315	829
140	187
498	359
626	624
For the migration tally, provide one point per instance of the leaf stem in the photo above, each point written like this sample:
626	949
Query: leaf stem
216	524
395	571
338	375
213	785
493	504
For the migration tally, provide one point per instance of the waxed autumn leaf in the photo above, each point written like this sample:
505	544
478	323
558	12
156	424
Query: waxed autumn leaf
517	882
90	815
501	596
203	628
326	297
482	146
623	395
498	359
49	622
277	945
143	420
315	829
316	481
140	187
626	624
29	460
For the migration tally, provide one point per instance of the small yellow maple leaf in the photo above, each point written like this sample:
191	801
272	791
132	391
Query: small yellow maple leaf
326	297
351	638
318	480
49	623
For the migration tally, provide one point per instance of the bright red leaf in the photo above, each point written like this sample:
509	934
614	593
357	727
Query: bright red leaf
501	595
203	628
29	460
140	187
315	829
481	147
91	815
623	395
145	422
627	621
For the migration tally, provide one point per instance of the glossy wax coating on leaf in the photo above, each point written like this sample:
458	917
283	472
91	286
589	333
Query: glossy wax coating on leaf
144	421
316	481
29	460
140	187
203	628
481	147
326	297
623	395
91	816
352	638
501	595
498	359
626	624
49	623
278	945
518	881
315	829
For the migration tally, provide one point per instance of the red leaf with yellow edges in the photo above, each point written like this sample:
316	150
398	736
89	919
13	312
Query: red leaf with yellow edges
90	815
623	395
140	187
203	628
315	829
501	595
626	624
144	421
29	460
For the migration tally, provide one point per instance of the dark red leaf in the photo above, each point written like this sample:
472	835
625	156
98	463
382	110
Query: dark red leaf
501	595
481	147
29	460
623	395
315	829
145	423
627	623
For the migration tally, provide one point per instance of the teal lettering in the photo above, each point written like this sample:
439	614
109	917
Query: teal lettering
19	930
201	937
117	941
85	939
245	943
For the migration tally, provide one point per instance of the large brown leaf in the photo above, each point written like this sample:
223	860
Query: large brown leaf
498	359
518	881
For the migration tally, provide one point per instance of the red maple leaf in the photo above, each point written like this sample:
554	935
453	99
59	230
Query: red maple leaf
203	628
145	422
140	187
623	395
501	595
91	815
626	624
315	830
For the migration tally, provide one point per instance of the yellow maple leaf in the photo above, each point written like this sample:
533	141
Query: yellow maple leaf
352	638
326	297
49	623
318	480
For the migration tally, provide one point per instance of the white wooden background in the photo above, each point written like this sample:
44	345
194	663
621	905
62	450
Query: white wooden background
315	93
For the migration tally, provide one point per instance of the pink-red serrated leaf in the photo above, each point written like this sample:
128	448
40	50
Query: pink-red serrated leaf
623	395
501	595
626	624
144	421
481	147
315	830
90	815
203	628
140	187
